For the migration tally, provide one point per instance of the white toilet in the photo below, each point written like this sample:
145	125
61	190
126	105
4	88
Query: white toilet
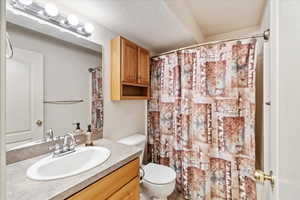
159	180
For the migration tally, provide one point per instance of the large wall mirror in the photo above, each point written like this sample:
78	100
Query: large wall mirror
51	84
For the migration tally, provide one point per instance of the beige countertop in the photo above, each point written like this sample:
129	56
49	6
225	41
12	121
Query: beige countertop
19	187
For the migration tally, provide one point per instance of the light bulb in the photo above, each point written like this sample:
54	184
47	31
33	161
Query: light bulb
25	2
62	22
73	20
51	10
89	28
41	12
80	29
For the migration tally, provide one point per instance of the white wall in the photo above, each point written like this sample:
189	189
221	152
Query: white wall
121	118
66	77
265	21
235	34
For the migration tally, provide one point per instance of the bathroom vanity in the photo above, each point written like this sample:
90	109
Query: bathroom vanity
117	178
120	184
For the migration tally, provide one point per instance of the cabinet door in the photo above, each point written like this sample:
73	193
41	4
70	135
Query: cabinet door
129	61
143	69
128	192
110	184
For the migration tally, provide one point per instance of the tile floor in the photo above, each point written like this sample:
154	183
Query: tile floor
175	196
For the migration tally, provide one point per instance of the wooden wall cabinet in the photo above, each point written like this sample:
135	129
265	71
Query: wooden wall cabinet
130	70
122	184
143	67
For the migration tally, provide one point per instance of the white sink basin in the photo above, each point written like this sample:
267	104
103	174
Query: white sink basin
83	159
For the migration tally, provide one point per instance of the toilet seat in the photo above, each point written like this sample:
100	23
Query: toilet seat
158	174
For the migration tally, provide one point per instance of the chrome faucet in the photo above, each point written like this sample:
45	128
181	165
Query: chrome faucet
67	147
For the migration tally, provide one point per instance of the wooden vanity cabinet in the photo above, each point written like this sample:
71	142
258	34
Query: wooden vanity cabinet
122	184
130	70
128	192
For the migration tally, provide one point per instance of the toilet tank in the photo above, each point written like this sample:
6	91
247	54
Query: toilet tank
137	140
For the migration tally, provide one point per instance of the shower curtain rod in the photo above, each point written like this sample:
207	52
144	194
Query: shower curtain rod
265	35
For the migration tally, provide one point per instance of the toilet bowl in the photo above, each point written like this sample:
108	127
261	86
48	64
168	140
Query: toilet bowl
158	181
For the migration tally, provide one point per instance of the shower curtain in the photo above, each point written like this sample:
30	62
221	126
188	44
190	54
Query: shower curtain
97	102
201	117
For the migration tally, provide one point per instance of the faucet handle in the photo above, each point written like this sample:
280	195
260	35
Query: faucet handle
77	141
57	148
57	138
51	147
69	142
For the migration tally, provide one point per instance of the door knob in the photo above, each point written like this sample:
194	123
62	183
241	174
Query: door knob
39	122
261	177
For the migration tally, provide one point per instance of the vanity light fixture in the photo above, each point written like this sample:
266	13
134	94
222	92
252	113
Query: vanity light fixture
50	13
51	10
73	20
89	28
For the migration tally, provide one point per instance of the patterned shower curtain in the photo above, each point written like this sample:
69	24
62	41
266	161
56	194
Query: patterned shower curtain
97	102
201	119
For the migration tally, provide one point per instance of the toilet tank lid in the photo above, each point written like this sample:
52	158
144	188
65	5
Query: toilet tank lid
133	139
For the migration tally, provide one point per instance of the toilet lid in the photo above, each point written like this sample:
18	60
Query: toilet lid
159	174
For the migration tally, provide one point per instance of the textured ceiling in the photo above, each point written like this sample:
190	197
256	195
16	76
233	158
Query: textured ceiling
167	24
219	16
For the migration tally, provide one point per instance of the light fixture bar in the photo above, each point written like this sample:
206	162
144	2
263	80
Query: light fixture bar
50	13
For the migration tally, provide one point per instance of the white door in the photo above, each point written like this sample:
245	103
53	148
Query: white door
285	158
282	144
24	96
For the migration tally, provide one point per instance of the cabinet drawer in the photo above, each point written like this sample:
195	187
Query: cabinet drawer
110	184
130	191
